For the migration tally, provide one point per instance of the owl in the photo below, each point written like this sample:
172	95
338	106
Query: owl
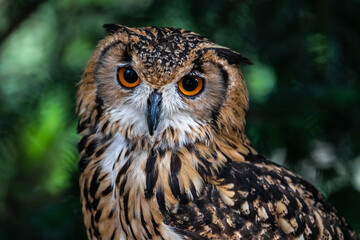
164	153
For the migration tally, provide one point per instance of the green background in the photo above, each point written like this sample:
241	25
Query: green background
304	94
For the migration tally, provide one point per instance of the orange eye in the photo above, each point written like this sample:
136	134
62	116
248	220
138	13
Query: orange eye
191	85
128	78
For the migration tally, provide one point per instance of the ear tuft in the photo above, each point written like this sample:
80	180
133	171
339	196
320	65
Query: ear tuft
231	56
112	28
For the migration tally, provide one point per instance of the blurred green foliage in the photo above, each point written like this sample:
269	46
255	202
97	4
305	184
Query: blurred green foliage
304	94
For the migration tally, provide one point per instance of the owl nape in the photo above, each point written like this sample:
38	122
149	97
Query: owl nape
164	153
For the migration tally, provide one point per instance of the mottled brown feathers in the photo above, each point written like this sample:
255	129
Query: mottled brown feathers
195	175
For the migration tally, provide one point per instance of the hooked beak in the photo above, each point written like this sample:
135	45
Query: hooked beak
153	111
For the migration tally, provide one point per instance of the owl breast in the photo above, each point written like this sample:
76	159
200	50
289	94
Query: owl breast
118	191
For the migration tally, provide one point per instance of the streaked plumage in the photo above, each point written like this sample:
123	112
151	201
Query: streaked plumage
157	163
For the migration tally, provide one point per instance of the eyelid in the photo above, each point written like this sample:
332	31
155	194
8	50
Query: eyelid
195	74
123	64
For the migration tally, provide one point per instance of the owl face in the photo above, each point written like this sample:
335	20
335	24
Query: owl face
164	84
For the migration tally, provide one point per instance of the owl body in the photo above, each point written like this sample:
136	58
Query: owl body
164	154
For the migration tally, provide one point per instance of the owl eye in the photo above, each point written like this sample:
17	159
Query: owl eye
127	77
191	85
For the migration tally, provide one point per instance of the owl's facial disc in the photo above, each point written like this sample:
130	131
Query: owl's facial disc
153	111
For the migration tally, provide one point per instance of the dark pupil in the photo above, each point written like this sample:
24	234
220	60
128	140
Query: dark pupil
190	84
130	75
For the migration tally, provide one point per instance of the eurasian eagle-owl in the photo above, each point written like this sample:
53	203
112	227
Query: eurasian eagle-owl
164	154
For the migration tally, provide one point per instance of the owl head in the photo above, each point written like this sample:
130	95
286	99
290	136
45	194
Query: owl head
164	85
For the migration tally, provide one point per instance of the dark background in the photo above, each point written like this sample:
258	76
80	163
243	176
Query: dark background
304	94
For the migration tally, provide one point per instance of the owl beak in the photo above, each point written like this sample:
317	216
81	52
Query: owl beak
153	112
